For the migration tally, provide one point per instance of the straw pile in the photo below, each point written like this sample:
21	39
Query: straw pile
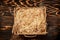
30	20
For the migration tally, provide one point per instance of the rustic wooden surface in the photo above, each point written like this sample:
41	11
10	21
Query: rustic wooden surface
53	25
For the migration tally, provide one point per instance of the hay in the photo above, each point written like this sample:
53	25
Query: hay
29	20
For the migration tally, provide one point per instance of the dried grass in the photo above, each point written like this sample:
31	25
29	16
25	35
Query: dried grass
30	20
